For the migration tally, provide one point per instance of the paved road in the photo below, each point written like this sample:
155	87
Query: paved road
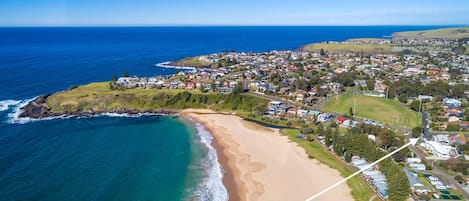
449	179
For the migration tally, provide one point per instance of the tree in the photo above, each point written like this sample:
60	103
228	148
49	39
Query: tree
306	131
322	53
125	74
320	130
238	88
398	185
370	84
452	127
114	77
459	179
259	109
415	105
416	132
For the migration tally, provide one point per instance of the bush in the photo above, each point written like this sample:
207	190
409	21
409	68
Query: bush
306	130
452	127
416	132
459	179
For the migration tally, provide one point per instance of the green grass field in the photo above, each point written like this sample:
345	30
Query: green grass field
376	48
389	112
467	50
98	96
360	191
192	62
449	33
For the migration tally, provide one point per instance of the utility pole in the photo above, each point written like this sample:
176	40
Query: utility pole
387	93
420	107
337	90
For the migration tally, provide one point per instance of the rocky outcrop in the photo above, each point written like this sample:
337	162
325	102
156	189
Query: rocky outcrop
38	109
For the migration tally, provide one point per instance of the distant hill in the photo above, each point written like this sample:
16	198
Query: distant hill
446	33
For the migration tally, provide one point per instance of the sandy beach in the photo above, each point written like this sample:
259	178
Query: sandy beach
262	165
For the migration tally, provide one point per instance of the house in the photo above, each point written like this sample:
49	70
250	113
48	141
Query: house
452	103
190	85
417	166
300	97
302	113
457	140
340	119
414	160
413	179
309	100
181	85
442	152
425	98
443	139
324	117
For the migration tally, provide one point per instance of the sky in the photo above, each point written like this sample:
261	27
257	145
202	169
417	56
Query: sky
234	12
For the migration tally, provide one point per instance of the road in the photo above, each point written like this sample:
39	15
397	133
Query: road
449	179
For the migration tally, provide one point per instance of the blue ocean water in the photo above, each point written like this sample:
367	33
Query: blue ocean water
119	158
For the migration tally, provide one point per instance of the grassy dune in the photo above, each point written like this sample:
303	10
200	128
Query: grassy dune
98	97
448	33
376	48
389	112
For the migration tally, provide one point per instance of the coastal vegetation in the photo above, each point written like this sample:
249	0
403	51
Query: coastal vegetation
446	33
99	97
375	108
375	48
360	191
354	142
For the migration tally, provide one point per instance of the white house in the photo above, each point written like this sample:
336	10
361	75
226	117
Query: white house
443	152
417	166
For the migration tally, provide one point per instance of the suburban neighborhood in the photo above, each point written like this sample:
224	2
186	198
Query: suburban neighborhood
426	78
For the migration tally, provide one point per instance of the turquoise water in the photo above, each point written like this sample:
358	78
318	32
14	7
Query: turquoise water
102	158
120	158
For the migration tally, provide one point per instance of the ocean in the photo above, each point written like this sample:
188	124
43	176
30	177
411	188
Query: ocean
118	157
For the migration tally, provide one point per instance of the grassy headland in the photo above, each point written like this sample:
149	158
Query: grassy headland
447	33
375	108
349	47
192	62
99	97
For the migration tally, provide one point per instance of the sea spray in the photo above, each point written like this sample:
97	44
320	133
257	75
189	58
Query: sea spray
210	187
6	104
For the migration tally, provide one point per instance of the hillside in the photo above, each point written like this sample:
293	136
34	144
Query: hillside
446	33
389	112
98	98
349	47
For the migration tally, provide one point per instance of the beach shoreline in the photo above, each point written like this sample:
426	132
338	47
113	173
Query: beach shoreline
250	173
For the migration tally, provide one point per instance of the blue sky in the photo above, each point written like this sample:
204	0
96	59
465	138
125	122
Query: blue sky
234	12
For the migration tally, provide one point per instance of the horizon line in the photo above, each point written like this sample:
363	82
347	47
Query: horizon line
224	25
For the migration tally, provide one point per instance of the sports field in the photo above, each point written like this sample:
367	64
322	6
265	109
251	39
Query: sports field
379	109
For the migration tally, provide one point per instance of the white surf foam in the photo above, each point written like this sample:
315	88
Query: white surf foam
167	65
6	104
211	187
13	117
